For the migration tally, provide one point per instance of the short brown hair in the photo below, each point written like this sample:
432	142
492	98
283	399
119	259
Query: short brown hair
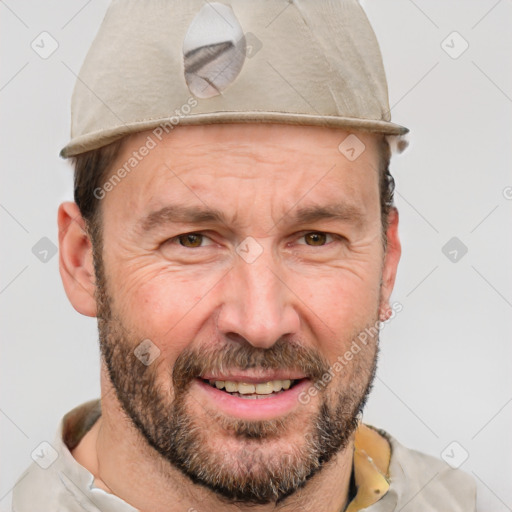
92	168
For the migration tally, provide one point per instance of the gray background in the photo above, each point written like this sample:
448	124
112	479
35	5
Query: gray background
444	373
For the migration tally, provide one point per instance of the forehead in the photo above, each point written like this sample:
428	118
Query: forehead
234	165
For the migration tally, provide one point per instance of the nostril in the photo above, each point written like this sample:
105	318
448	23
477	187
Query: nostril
237	338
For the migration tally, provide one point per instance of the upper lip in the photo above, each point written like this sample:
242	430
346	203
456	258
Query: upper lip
254	377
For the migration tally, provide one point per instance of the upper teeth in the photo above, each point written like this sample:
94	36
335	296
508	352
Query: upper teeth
244	388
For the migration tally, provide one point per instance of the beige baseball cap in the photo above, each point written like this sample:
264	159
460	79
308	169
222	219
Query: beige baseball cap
157	64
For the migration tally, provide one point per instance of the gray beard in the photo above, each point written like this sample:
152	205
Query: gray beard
246	476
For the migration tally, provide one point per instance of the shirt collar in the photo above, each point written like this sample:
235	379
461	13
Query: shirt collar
372	453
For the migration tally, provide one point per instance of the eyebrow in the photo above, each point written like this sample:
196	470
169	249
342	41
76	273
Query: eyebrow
181	214
175	214
345	212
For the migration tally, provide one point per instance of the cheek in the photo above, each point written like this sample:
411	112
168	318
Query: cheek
339	307
342	297
165	306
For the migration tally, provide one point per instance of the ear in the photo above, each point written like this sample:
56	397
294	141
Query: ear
75	259
391	259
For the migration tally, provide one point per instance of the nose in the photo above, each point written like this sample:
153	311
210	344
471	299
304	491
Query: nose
258	305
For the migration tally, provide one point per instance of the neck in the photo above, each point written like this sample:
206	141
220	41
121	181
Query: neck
125	465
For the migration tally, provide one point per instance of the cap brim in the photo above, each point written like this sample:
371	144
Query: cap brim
101	138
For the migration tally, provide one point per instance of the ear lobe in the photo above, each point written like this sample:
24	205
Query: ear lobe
75	259
391	259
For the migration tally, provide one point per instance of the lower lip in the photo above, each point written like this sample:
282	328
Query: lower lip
267	408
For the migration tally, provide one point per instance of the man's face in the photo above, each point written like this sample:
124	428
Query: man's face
250	256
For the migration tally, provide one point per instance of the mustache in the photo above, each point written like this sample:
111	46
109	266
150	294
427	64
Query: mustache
283	355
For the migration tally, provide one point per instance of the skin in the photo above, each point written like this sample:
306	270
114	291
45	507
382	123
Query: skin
179	297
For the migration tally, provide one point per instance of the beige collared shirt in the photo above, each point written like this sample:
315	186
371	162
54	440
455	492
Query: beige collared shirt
388	476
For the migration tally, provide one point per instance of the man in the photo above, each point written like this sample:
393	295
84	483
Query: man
234	233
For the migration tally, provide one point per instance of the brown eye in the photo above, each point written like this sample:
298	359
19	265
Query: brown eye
191	240
316	238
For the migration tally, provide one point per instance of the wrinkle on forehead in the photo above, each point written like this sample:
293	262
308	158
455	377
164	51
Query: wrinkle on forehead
283	163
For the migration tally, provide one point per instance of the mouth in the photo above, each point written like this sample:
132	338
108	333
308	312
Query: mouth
253	390
251	397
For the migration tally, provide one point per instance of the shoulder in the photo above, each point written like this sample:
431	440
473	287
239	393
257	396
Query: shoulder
56	480
421	482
